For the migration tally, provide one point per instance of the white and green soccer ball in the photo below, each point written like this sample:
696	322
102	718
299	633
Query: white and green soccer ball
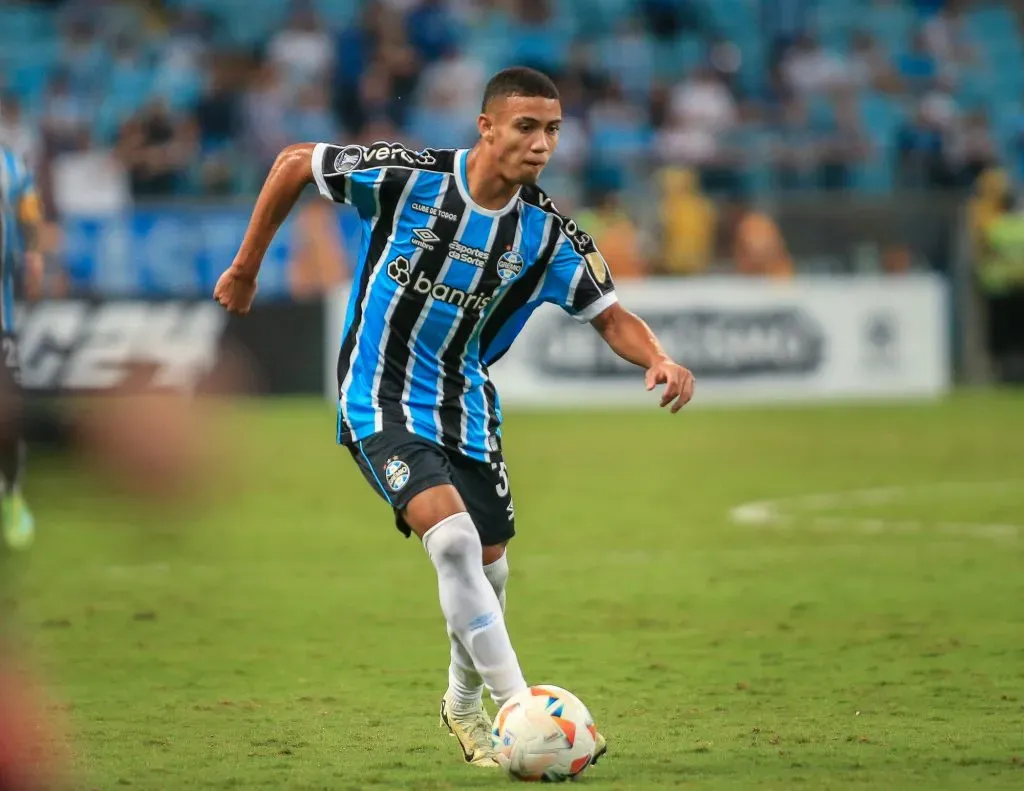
544	734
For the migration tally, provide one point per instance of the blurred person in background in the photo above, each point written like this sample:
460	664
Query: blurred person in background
219	122
89	180
870	65
536	39
992	198
702	113
783	23
628	57
353	51
398	71
431	29
619	131
21	223
187	41
796	151
265	110
843	144
687	223
444	111
66	116
997	225
159	450
917	66
810	68
667	19
945	36
754	239
17	134
451	79
310	116
969	150
725	59
616	234
918	150
83	57
302	49
158	147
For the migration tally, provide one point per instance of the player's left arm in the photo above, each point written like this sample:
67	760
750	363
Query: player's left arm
629	337
582	284
30	226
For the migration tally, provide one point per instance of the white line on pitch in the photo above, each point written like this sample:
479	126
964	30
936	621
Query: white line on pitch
789	512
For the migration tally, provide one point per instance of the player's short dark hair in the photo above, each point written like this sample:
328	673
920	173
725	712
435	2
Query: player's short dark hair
519	81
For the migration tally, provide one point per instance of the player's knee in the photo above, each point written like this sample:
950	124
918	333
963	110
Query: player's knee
454	543
496	570
493	553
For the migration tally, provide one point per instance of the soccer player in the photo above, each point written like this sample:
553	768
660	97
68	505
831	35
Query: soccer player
20	228
459	248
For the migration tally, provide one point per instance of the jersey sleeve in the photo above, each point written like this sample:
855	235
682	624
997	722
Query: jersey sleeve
353	174
578	277
348	174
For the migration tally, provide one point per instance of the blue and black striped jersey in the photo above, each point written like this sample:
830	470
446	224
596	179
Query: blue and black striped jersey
441	290
16	188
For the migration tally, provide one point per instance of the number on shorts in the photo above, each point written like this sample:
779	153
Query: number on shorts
502	486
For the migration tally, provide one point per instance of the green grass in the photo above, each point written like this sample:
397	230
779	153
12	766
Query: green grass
288	638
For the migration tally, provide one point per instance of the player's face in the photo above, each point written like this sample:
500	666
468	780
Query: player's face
523	131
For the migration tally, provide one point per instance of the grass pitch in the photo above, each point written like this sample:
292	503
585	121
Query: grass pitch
289	638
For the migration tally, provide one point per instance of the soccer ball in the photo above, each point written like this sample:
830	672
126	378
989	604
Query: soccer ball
544	733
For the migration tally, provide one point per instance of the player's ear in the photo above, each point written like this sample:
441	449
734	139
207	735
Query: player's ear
485	126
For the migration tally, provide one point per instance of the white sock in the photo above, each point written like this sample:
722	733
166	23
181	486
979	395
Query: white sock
465	686
471	606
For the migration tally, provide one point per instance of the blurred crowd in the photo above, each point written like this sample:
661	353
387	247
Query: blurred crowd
706	105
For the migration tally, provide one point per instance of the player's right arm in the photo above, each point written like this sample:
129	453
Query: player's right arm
342	174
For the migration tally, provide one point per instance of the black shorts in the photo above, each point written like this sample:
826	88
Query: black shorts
399	465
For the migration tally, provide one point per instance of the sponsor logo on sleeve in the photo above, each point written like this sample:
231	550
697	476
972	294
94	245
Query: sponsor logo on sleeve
348	158
598	267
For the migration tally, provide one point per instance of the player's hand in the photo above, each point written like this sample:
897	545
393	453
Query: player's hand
678	383
235	291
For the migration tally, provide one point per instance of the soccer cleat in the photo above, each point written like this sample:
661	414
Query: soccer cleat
473	731
16	521
600	748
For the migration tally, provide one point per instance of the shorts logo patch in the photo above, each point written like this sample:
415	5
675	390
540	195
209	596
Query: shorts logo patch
396	473
510	265
598	266
347	159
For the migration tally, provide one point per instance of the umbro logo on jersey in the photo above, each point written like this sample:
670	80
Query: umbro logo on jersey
425	238
426	235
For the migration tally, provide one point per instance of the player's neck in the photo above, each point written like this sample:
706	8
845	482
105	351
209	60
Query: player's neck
486	187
